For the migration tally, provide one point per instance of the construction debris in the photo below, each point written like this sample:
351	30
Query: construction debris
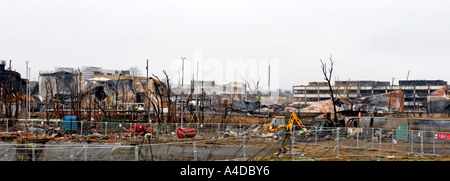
387	102
246	106
439	101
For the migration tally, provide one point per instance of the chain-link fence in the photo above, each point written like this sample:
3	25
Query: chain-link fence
372	142
218	141
206	150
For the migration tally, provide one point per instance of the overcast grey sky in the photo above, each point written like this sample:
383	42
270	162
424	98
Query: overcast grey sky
369	40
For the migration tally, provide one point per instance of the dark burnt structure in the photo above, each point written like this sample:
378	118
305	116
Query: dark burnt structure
12	92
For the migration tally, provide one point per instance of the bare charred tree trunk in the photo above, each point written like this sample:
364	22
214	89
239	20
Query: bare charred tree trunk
156	107
49	102
160	92
58	101
8	97
116	98
2	93
327	76
90	106
225	104
153	98
169	101
72	100
17	102
5	99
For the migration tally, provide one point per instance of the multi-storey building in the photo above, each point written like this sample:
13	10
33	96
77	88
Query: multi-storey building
66	79
416	91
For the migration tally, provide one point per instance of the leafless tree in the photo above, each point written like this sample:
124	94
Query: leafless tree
253	86
169	100
158	98
52	100
327	73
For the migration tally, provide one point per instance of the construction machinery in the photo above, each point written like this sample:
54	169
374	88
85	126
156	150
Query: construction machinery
280	129
278	124
138	130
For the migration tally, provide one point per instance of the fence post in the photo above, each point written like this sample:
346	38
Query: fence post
412	141
434	142
195	150
315	137
81	123
421	142
393	135
218	130
131	128
240	130
196	129
33	153
292	144
106	128
7	122
337	141
71	153
373	135
244	149
167	150
136	153
380	136
357	137
85	152
6	154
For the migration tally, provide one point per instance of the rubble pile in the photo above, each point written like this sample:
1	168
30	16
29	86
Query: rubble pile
439	101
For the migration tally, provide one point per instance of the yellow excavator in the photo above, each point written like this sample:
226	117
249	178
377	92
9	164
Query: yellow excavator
278	124
282	130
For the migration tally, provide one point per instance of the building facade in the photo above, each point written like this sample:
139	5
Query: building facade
416	91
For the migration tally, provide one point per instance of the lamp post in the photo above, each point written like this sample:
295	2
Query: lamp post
182	91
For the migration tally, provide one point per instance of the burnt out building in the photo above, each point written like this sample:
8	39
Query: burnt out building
60	83
11	79
415	91
12	91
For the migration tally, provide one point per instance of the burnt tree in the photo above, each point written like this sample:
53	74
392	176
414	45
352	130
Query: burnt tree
327	73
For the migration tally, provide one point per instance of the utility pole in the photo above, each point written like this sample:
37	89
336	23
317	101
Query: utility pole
26	103
182	91
196	95
146	95
268	96
29	92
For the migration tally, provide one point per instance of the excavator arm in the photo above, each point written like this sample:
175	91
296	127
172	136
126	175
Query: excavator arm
293	118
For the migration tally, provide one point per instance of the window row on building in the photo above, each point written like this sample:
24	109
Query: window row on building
415	91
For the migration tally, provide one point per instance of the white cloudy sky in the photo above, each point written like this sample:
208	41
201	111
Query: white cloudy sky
369	40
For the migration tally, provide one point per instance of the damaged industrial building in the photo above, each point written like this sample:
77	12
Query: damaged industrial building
94	93
12	93
374	96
